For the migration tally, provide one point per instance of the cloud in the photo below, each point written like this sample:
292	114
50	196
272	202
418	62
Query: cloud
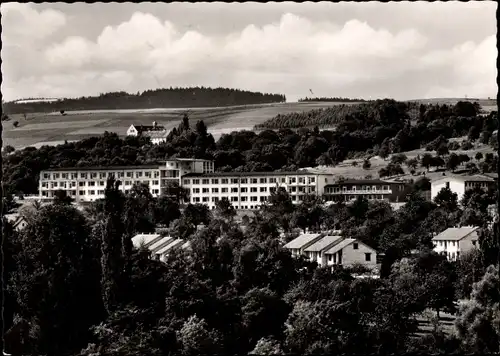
291	55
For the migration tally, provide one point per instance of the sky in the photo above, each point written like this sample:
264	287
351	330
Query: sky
397	50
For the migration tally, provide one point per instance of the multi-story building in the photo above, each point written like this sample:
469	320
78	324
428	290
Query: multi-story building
371	189
460	184
249	190
86	184
455	241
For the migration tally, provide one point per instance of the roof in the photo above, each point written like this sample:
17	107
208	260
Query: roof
101	168
160	243
301	241
325	242
171	245
247	174
342	245
143	128
145	239
190	160
156	134
474	178
187	244
455	233
361	181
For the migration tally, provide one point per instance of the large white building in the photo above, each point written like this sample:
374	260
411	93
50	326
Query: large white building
460	184
456	241
86	184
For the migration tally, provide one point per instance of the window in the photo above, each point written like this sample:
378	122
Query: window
138	174
355	246
64	175
196	181
224	181
91	184
186	182
368	257
447	184
147	174
291	180
234	190
46	176
224	190
253	181
243	181
215	181
215	190
243	190
263	189
283	180
205	190
244	198
205	199
82	192
102	175
253	190
234	198
272	180
196	190
253	198
101	183
92	192
129	175
205	181
81	184
263	181
234	181
302	180
473	243
155	182
312	180
330	258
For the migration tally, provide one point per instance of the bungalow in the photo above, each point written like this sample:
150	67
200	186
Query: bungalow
351	252
455	241
297	245
162	253
315	252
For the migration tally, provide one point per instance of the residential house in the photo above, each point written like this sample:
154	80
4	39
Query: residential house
455	241
349	252
139	130
315	252
461	184
17	220
297	245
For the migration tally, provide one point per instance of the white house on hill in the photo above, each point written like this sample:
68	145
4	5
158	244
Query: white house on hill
315	252
155	132
460	184
456	241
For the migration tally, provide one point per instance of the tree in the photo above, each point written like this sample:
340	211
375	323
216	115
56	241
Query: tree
279	207
479	156
447	199
9	149
412	163
56	282
366	164
61	197
267	346
15	124
399	158
196	338
452	162
442	150
225	210
426	161
478	322
166	210
383	152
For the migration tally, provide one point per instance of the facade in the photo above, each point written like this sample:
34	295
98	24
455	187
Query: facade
371	189
460	184
456	241
250	190
85	184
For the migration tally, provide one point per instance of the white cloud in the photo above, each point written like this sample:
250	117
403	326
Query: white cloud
288	56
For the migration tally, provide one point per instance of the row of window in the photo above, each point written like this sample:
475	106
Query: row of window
102	175
94	192
384	188
252	190
231	199
92	184
291	180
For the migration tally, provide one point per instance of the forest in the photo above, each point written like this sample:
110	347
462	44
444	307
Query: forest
382	130
76	285
333	100
158	98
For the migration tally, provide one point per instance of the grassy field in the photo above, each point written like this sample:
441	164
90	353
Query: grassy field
53	128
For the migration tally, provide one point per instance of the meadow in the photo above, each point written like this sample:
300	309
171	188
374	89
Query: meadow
53	128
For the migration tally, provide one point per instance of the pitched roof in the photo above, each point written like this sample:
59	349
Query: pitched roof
145	239
325	242
171	245
455	233
156	134
473	178
342	245
160	243
301	241
144	128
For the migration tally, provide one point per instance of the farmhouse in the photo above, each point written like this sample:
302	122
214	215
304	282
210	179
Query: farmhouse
460	184
138	130
456	241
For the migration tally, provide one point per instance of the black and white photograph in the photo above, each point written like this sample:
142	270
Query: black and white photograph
249	178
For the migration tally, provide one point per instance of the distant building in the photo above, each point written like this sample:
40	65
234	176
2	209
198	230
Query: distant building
159	246
456	241
460	184
138	130
371	189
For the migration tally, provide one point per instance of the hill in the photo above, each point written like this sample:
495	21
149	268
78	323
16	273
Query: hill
158	98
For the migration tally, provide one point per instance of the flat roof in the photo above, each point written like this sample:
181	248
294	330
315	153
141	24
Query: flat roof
102	168
301	241
362	181
249	174
323	243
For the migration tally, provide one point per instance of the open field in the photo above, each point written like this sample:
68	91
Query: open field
50	128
